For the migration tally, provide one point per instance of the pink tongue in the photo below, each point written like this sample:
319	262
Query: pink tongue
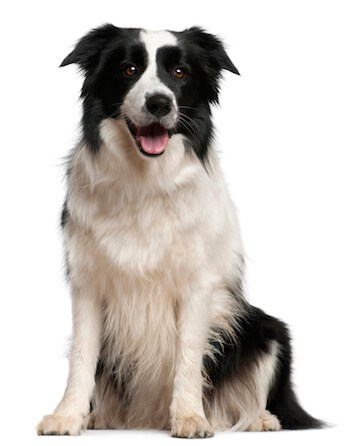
153	138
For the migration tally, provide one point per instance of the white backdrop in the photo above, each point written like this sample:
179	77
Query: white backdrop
283	130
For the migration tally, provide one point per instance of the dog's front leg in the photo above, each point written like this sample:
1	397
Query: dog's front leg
70	416
188	419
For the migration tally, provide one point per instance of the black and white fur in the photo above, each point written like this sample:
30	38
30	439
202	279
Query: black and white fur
162	335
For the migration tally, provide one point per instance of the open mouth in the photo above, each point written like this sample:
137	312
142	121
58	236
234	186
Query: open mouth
151	139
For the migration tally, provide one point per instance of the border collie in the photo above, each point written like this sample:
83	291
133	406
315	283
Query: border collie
163	337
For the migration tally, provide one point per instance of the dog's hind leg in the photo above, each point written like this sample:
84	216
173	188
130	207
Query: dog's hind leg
250	378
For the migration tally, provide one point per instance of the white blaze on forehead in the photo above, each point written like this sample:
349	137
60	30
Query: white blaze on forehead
149	83
154	40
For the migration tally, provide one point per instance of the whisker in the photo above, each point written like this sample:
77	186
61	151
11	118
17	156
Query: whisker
117	113
189	123
187	107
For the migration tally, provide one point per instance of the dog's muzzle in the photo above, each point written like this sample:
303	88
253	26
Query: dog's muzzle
152	138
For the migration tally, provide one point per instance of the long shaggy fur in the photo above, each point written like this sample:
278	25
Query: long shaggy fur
162	334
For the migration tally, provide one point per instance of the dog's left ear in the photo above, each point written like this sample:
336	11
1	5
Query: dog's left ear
213	49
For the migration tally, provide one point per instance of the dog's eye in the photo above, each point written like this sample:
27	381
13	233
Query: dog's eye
130	70
179	72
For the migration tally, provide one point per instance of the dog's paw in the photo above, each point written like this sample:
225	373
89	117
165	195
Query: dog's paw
60	425
193	426
266	422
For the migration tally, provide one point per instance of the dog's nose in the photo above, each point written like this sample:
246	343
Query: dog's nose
159	105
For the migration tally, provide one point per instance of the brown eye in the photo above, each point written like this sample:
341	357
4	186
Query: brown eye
179	72
130	70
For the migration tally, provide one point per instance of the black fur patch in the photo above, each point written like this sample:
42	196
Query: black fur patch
103	55
203	56
282	400
253	339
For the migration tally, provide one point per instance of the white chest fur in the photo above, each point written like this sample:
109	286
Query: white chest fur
145	237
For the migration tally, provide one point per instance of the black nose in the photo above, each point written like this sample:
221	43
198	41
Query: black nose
159	105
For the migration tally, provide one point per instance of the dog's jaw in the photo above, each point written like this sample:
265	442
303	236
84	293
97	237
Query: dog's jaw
151	140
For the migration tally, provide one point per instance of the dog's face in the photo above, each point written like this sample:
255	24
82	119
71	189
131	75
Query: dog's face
160	83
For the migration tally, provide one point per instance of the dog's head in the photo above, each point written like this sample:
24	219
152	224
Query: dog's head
159	83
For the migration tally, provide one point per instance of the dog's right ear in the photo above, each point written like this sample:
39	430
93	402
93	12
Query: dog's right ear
88	49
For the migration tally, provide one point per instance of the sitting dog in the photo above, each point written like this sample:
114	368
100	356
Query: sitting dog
163	337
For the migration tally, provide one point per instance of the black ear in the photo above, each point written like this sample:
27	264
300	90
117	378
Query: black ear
87	51
213	49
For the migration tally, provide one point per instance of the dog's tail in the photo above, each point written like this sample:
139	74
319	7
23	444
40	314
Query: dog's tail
291	415
282	400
